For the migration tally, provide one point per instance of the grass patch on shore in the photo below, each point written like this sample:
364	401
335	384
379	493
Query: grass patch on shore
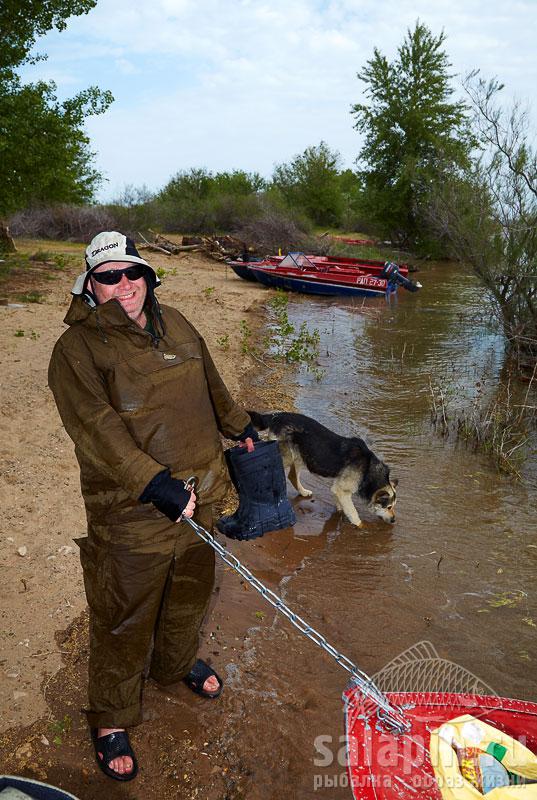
24	274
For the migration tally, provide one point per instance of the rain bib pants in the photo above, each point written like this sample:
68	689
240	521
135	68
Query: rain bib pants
135	405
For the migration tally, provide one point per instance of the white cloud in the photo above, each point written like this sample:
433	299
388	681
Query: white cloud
126	67
247	83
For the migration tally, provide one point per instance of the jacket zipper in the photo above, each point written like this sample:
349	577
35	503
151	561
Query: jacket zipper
155	341
133	326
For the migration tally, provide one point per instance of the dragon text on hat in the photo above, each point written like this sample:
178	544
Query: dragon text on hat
106	247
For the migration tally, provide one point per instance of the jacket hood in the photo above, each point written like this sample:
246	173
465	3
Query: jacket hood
78	311
109	313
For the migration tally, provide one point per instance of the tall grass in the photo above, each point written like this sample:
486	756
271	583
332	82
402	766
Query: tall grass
498	424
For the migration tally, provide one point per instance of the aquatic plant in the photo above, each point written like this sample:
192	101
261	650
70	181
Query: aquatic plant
286	343
498	423
245	340
283	341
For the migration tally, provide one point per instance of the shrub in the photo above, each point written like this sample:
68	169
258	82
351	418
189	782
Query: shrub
72	223
133	210
274	228
198	201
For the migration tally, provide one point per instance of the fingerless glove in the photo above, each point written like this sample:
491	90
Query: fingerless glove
167	494
249	431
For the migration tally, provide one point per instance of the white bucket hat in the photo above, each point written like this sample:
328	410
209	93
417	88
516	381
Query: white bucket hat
105	247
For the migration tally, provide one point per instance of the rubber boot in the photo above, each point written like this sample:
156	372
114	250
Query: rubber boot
259	479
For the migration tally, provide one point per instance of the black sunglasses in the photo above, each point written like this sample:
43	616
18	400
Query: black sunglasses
113	276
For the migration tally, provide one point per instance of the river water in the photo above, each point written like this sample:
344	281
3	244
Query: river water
457	569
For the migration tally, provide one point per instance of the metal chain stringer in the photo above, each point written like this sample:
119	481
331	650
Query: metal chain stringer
389	715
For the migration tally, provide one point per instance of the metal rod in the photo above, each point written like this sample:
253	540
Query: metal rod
392	716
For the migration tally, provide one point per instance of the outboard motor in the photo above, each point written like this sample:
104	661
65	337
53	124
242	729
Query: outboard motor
393	276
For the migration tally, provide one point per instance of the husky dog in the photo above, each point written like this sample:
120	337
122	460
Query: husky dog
348	460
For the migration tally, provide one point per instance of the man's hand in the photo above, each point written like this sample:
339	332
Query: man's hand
248	433
189	508
170	496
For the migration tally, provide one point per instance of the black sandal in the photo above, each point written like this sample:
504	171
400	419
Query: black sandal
114	745
197	677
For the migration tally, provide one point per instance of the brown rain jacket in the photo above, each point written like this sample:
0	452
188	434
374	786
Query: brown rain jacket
134	405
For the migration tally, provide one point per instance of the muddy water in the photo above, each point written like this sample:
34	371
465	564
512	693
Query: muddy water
457	569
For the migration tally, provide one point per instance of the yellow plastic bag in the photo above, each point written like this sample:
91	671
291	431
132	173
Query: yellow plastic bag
468	732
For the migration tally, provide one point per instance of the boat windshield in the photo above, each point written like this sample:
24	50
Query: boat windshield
297	260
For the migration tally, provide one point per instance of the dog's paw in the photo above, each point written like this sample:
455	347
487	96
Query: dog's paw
306	493
358	524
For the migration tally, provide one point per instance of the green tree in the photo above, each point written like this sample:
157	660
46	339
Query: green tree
187	185
197	200
488	213
44	151
412	131
311	183
198	183
23	21
350	185
239	183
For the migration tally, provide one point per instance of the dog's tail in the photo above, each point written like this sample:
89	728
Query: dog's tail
260	421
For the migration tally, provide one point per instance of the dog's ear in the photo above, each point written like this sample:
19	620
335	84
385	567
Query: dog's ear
381	497
395	483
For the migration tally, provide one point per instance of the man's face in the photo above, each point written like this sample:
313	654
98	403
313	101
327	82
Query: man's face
131	294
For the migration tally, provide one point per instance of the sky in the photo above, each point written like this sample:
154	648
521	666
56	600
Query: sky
251	83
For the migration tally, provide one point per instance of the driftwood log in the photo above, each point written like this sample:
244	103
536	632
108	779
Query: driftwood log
222	247
164	245
218	247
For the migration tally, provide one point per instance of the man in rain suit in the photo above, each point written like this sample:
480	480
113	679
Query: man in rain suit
139	395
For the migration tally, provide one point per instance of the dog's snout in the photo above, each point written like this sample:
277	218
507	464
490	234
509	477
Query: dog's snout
392	520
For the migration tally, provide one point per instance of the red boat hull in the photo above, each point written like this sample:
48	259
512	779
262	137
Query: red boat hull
382	766
328	282
324	275
370	265
355	241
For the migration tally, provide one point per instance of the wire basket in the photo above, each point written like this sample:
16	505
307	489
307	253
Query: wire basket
421	669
